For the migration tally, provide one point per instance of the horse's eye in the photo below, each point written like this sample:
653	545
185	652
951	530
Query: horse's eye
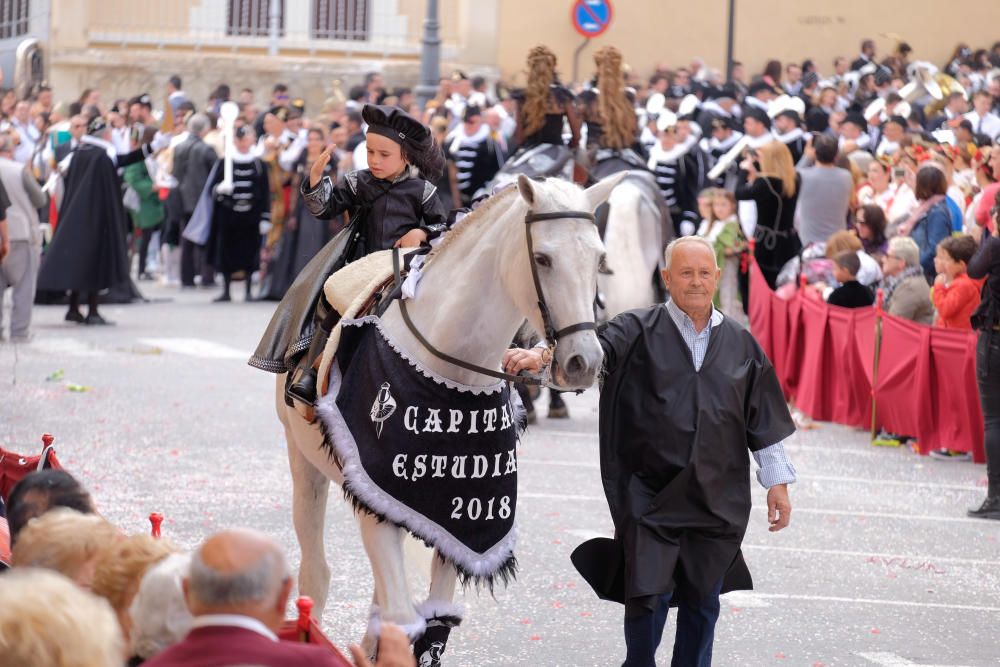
542	260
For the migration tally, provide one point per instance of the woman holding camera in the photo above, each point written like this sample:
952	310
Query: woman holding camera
772	184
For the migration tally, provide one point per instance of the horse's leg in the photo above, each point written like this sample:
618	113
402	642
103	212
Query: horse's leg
384	544
440	611
310	489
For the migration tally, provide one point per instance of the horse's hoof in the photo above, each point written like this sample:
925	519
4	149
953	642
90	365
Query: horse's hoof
531	416
559	413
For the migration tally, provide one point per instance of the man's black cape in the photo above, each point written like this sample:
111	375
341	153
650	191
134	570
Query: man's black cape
674	457
88	252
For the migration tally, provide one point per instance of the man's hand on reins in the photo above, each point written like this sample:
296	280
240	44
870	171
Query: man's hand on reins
518	359
779	507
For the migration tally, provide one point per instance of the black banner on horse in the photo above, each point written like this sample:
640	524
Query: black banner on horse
436	458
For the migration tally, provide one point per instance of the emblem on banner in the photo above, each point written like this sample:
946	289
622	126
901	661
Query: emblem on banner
382	408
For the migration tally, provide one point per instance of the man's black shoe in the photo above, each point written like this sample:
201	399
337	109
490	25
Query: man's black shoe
304	388
990	509
74	316
93	319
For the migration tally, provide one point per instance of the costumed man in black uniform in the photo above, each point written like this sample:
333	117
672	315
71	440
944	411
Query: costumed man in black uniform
392	203
237	215
89	251
788	130
677	173
686	393
474	157
723	136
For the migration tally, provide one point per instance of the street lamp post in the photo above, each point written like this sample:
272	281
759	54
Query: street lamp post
430	56
729	40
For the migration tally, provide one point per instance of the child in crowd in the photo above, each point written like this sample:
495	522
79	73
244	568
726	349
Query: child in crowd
851	293
722	230
705	198
955	294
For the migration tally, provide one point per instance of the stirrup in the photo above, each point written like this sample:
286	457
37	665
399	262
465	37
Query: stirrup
303	388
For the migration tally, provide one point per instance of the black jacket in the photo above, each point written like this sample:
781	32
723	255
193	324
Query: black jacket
851	294
674	455
384	211
193	161
986	264
777	240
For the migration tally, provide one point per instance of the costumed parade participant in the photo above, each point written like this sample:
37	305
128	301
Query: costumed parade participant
722	145
677	173
474	157
392	203
304	234
89	251
686	393
238	216
544	105
276	273
787	121
609	115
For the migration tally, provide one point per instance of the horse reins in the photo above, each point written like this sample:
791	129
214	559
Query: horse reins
552	335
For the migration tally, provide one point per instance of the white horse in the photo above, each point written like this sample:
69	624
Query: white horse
476	291
634	241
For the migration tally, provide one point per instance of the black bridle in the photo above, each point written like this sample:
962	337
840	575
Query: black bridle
552	335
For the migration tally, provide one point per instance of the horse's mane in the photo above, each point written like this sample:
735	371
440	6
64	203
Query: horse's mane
555	188
471	220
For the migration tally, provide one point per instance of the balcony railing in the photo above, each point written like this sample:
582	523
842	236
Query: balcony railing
363	27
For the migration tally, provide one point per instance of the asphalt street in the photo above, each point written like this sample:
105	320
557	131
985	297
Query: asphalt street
161	413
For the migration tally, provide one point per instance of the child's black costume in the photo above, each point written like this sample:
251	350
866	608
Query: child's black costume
381	212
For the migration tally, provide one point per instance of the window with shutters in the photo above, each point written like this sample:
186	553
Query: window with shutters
13	18
340	19
250	18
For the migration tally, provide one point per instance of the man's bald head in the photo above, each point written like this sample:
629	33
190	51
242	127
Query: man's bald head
239	572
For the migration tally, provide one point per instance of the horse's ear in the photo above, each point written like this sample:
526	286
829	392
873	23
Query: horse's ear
526	188
599	192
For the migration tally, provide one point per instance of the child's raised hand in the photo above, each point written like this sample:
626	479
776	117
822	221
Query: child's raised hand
316	173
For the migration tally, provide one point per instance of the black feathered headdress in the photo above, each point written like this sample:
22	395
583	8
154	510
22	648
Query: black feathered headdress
413	137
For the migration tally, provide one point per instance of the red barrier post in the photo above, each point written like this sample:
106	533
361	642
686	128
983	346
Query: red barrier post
879	301
155	520
305	607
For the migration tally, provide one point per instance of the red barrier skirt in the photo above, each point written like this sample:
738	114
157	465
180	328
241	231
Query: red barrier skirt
824	358
772	323
833	385
957	421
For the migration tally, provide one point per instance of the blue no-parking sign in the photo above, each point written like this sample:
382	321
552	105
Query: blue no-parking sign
591	17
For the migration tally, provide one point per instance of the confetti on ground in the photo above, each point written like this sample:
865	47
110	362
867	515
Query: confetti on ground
77	388
55	376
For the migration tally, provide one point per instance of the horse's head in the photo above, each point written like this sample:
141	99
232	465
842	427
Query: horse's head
566	252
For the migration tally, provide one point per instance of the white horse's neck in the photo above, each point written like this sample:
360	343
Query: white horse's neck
462	305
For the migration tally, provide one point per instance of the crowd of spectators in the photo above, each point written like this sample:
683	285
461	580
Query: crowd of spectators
79	592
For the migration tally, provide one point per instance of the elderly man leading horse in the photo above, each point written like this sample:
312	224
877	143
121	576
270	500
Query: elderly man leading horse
686	393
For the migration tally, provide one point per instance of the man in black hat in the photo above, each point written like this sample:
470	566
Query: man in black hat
759	95
88	253
686	393
788	130
854	133
723	136
757	126
473	155
719	103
